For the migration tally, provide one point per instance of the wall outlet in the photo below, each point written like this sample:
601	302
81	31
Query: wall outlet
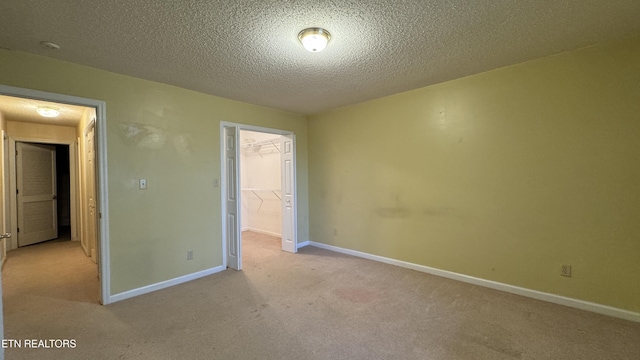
190	255
565	270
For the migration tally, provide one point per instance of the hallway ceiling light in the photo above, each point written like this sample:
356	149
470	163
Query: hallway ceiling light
314	39
48	112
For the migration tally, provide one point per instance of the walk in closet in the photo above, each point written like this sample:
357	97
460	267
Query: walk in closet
260	172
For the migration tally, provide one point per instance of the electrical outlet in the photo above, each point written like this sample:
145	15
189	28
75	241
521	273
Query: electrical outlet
565	270
190	255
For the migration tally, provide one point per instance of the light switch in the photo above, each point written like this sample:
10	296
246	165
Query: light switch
143	184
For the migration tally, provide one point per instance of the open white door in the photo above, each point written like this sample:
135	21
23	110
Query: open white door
5	203
36	193
232	215
91	227
1	320
4	156
289	238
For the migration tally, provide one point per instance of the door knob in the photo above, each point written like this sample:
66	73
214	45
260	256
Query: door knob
54	197
5	236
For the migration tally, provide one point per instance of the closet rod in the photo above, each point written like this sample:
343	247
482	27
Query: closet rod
255	192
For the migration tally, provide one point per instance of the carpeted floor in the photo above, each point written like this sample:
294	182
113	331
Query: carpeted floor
312	305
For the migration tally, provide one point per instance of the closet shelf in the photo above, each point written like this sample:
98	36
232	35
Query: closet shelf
264	147
258	191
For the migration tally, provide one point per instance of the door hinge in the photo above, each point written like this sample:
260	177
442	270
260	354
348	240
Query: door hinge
18	229
17	192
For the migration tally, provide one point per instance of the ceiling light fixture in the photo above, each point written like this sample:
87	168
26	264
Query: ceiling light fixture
49	45
48	112
314	39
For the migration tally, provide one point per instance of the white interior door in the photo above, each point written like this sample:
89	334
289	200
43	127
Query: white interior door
36	193
288	178
5	203
5	222
90	188
232	215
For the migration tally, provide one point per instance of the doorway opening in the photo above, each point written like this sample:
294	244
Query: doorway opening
43	192
260	194
57	148
63	188
258	189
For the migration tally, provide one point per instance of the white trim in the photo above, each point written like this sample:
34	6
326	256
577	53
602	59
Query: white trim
255	128
164	284
103	196
101	180
223	182
303	244
534	294
223	199
5	203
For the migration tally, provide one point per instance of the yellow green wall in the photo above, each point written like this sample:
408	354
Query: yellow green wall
170	136
504	175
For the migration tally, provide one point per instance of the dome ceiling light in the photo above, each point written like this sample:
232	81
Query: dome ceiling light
314	39
49	45
48	112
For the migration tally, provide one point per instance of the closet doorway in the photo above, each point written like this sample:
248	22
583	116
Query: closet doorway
258	187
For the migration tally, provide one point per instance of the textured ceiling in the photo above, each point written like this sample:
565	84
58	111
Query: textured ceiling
248	50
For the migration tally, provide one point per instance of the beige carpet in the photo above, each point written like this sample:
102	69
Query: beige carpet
313	305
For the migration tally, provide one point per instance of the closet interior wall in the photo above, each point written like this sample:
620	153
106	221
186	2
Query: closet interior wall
260	173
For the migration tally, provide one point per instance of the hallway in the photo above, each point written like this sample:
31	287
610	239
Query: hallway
52	270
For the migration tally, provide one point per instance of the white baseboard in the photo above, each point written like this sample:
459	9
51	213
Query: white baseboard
163	284
262	231
539	295
303	244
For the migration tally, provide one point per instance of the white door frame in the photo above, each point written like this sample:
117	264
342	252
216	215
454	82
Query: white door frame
223	185
101	168
6	194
